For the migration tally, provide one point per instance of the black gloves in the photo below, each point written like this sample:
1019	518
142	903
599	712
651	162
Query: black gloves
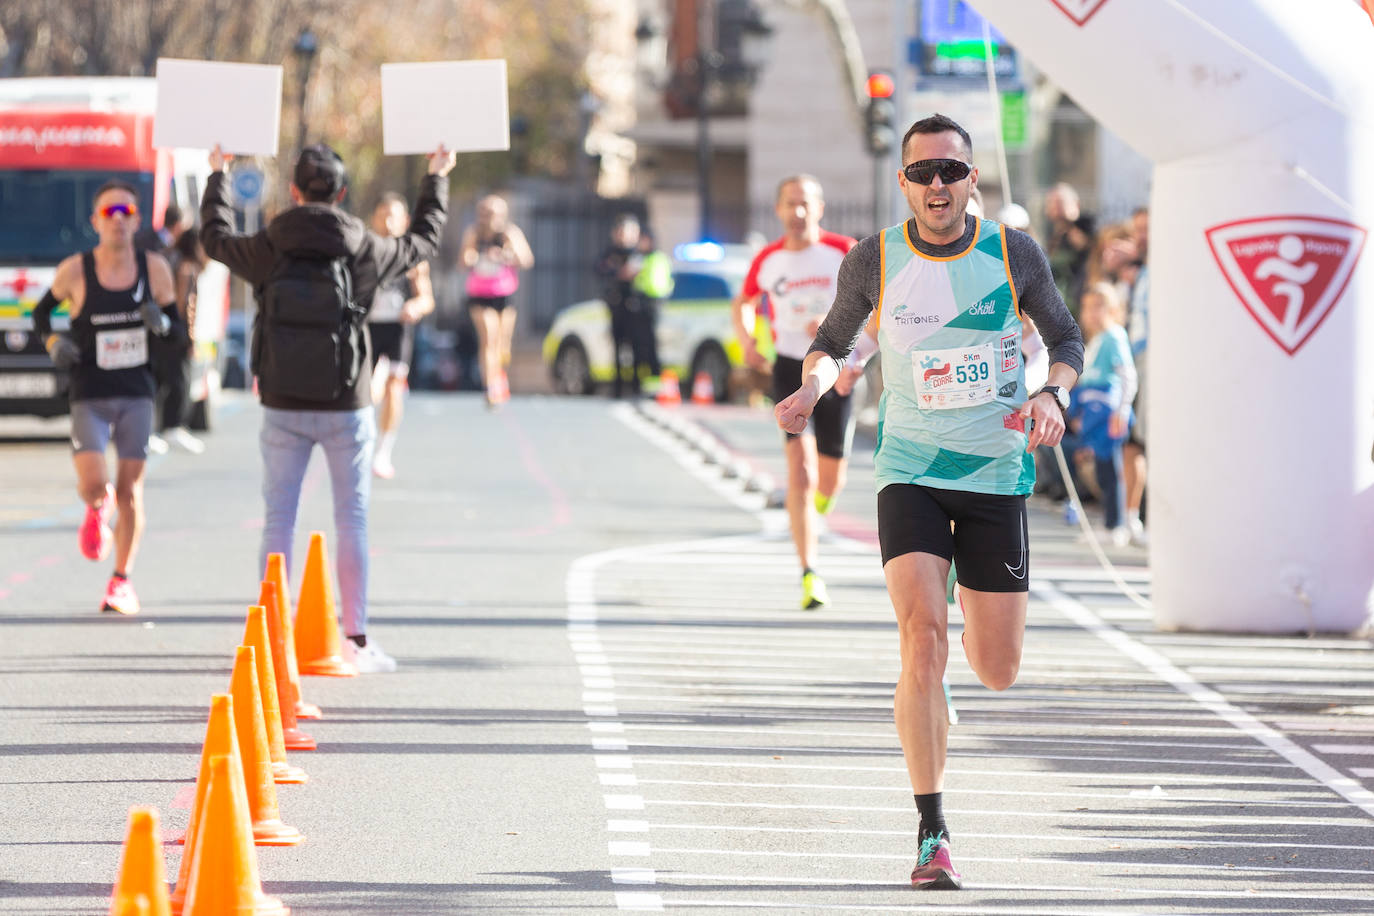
62	350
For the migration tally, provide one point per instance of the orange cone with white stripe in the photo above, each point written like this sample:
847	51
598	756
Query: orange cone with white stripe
318	645
669	394
703	389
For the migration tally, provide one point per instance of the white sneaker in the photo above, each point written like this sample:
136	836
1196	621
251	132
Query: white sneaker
369	659
1121	536
182	439
157	445
383	468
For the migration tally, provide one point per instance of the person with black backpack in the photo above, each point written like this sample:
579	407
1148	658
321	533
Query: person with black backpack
314	271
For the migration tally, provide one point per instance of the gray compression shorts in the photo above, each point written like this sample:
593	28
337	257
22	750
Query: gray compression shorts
129	421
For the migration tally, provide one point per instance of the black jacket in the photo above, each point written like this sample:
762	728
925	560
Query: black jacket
323	229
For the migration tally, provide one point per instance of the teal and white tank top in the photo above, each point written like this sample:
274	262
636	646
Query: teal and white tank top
949	330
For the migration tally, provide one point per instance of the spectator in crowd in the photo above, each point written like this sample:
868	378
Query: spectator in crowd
188	260
1100	415
1070	242
494	252
617	268
1114	259
1138	330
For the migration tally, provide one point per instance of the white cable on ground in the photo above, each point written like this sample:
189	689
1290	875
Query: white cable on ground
1092	536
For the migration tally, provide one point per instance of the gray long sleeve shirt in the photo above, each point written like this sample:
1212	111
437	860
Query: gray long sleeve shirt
860	284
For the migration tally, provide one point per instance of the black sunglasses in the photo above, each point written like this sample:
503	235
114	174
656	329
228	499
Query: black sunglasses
925	170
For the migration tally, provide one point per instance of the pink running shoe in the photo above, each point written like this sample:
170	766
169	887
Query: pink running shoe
934	871
120	597
96	536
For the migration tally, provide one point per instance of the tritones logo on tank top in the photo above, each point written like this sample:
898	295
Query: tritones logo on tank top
902	315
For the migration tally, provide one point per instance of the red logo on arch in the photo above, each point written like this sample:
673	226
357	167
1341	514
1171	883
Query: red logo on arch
1288	271
1080	11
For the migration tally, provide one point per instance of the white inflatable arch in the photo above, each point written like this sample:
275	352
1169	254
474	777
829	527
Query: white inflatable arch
1259	116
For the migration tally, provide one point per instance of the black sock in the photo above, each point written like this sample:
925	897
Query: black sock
120	575
360	640
932	815
807	571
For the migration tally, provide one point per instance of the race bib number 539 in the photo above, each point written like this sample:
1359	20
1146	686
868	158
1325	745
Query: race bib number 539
958	377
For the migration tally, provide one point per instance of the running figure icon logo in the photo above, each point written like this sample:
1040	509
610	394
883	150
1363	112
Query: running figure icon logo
1288	271
1080	11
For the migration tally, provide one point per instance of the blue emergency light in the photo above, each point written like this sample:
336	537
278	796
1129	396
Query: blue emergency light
700	251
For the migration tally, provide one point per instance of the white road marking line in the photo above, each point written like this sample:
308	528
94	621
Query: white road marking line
624	802
1247	782
626	826
1019	793
599	711
889	734
1363	750
613	762
638	900
1363	772
610	744
1015	812
632	876
1246	723
1117	864
615	728
1037	838
1095	890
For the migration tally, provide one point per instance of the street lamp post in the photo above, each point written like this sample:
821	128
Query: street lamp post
305	48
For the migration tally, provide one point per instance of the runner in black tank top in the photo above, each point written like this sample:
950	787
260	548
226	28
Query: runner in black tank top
114	340
116	326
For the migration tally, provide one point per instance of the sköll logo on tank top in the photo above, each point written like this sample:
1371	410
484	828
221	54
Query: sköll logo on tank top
1288	271
1080	11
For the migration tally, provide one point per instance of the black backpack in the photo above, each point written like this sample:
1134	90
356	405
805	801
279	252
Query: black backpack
308	339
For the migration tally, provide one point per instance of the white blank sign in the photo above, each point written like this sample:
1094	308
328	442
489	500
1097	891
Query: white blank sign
201	103
459	103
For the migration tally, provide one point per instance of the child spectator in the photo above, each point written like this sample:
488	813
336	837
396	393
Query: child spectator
1100	415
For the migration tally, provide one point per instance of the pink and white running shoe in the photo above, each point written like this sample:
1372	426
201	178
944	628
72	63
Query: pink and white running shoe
934	871
120	597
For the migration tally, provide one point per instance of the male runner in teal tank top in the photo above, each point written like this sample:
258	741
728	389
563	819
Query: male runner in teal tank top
943	293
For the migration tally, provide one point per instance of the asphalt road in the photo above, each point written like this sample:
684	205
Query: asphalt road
607	700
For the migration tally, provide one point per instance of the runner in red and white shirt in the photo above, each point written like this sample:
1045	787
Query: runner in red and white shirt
797	275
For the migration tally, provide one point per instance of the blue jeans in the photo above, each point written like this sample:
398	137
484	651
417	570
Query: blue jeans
347	437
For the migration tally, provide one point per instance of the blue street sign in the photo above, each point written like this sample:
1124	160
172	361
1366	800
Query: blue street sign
247	185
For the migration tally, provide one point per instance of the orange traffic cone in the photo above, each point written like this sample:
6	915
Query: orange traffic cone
669	395
255	635
268	829
142	884
317	630
224	875
137	905
281	624
219	740
703	389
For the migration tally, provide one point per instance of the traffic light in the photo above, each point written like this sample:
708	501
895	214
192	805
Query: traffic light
881	116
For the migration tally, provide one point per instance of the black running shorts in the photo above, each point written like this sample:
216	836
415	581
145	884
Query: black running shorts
394	340
987	543
830	419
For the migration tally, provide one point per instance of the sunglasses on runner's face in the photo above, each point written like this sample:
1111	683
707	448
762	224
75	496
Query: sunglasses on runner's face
925	170
109	211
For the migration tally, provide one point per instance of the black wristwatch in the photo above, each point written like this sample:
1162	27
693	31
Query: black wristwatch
1060	395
